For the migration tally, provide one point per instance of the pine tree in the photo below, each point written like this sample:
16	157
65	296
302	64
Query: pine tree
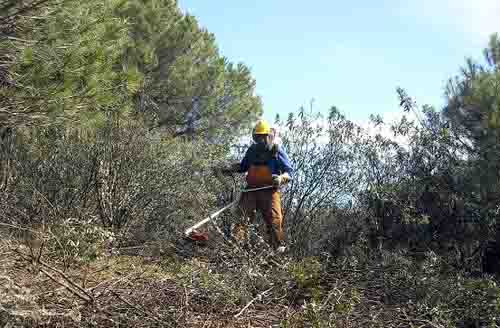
80	62
474	112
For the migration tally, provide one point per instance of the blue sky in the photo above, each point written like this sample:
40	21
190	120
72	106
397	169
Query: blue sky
351	54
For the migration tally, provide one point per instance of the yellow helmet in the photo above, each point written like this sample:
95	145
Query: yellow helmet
262	127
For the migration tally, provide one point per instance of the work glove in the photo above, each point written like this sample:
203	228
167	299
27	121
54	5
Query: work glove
280	180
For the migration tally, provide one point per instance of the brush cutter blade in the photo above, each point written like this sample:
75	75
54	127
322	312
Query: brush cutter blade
197	236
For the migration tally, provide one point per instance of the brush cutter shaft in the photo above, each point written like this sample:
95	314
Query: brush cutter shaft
212	216
216	214
256	189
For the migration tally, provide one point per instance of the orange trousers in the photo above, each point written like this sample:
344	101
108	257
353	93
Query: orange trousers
268	202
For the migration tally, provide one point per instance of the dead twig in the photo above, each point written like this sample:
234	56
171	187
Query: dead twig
65	277
19	228
152	315
258	297
112	283
73	291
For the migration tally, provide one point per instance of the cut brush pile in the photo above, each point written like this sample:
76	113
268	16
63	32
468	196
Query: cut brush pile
186	285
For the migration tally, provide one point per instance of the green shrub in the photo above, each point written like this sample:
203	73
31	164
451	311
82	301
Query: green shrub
78	241
306	273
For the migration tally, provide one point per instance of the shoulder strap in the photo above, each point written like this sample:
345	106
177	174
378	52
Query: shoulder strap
274	151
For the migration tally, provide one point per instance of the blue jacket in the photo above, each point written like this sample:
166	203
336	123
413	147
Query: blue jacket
278	165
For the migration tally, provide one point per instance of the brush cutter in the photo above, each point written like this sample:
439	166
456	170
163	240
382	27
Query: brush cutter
191	232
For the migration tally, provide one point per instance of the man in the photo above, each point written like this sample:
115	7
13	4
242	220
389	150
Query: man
266	165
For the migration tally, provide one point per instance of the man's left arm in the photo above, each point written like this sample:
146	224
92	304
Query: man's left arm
286	168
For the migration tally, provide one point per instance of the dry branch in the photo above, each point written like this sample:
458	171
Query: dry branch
73	291
258	297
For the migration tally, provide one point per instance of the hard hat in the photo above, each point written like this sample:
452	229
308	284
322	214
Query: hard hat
262	127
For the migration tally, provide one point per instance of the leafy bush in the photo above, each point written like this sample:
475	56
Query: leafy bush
75	240
306	272
123	176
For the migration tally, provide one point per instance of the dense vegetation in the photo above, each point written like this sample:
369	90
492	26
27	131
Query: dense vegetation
113	115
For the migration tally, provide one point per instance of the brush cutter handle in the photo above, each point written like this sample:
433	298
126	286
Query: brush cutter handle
216	214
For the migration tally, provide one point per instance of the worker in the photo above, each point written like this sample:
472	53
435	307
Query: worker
265	164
